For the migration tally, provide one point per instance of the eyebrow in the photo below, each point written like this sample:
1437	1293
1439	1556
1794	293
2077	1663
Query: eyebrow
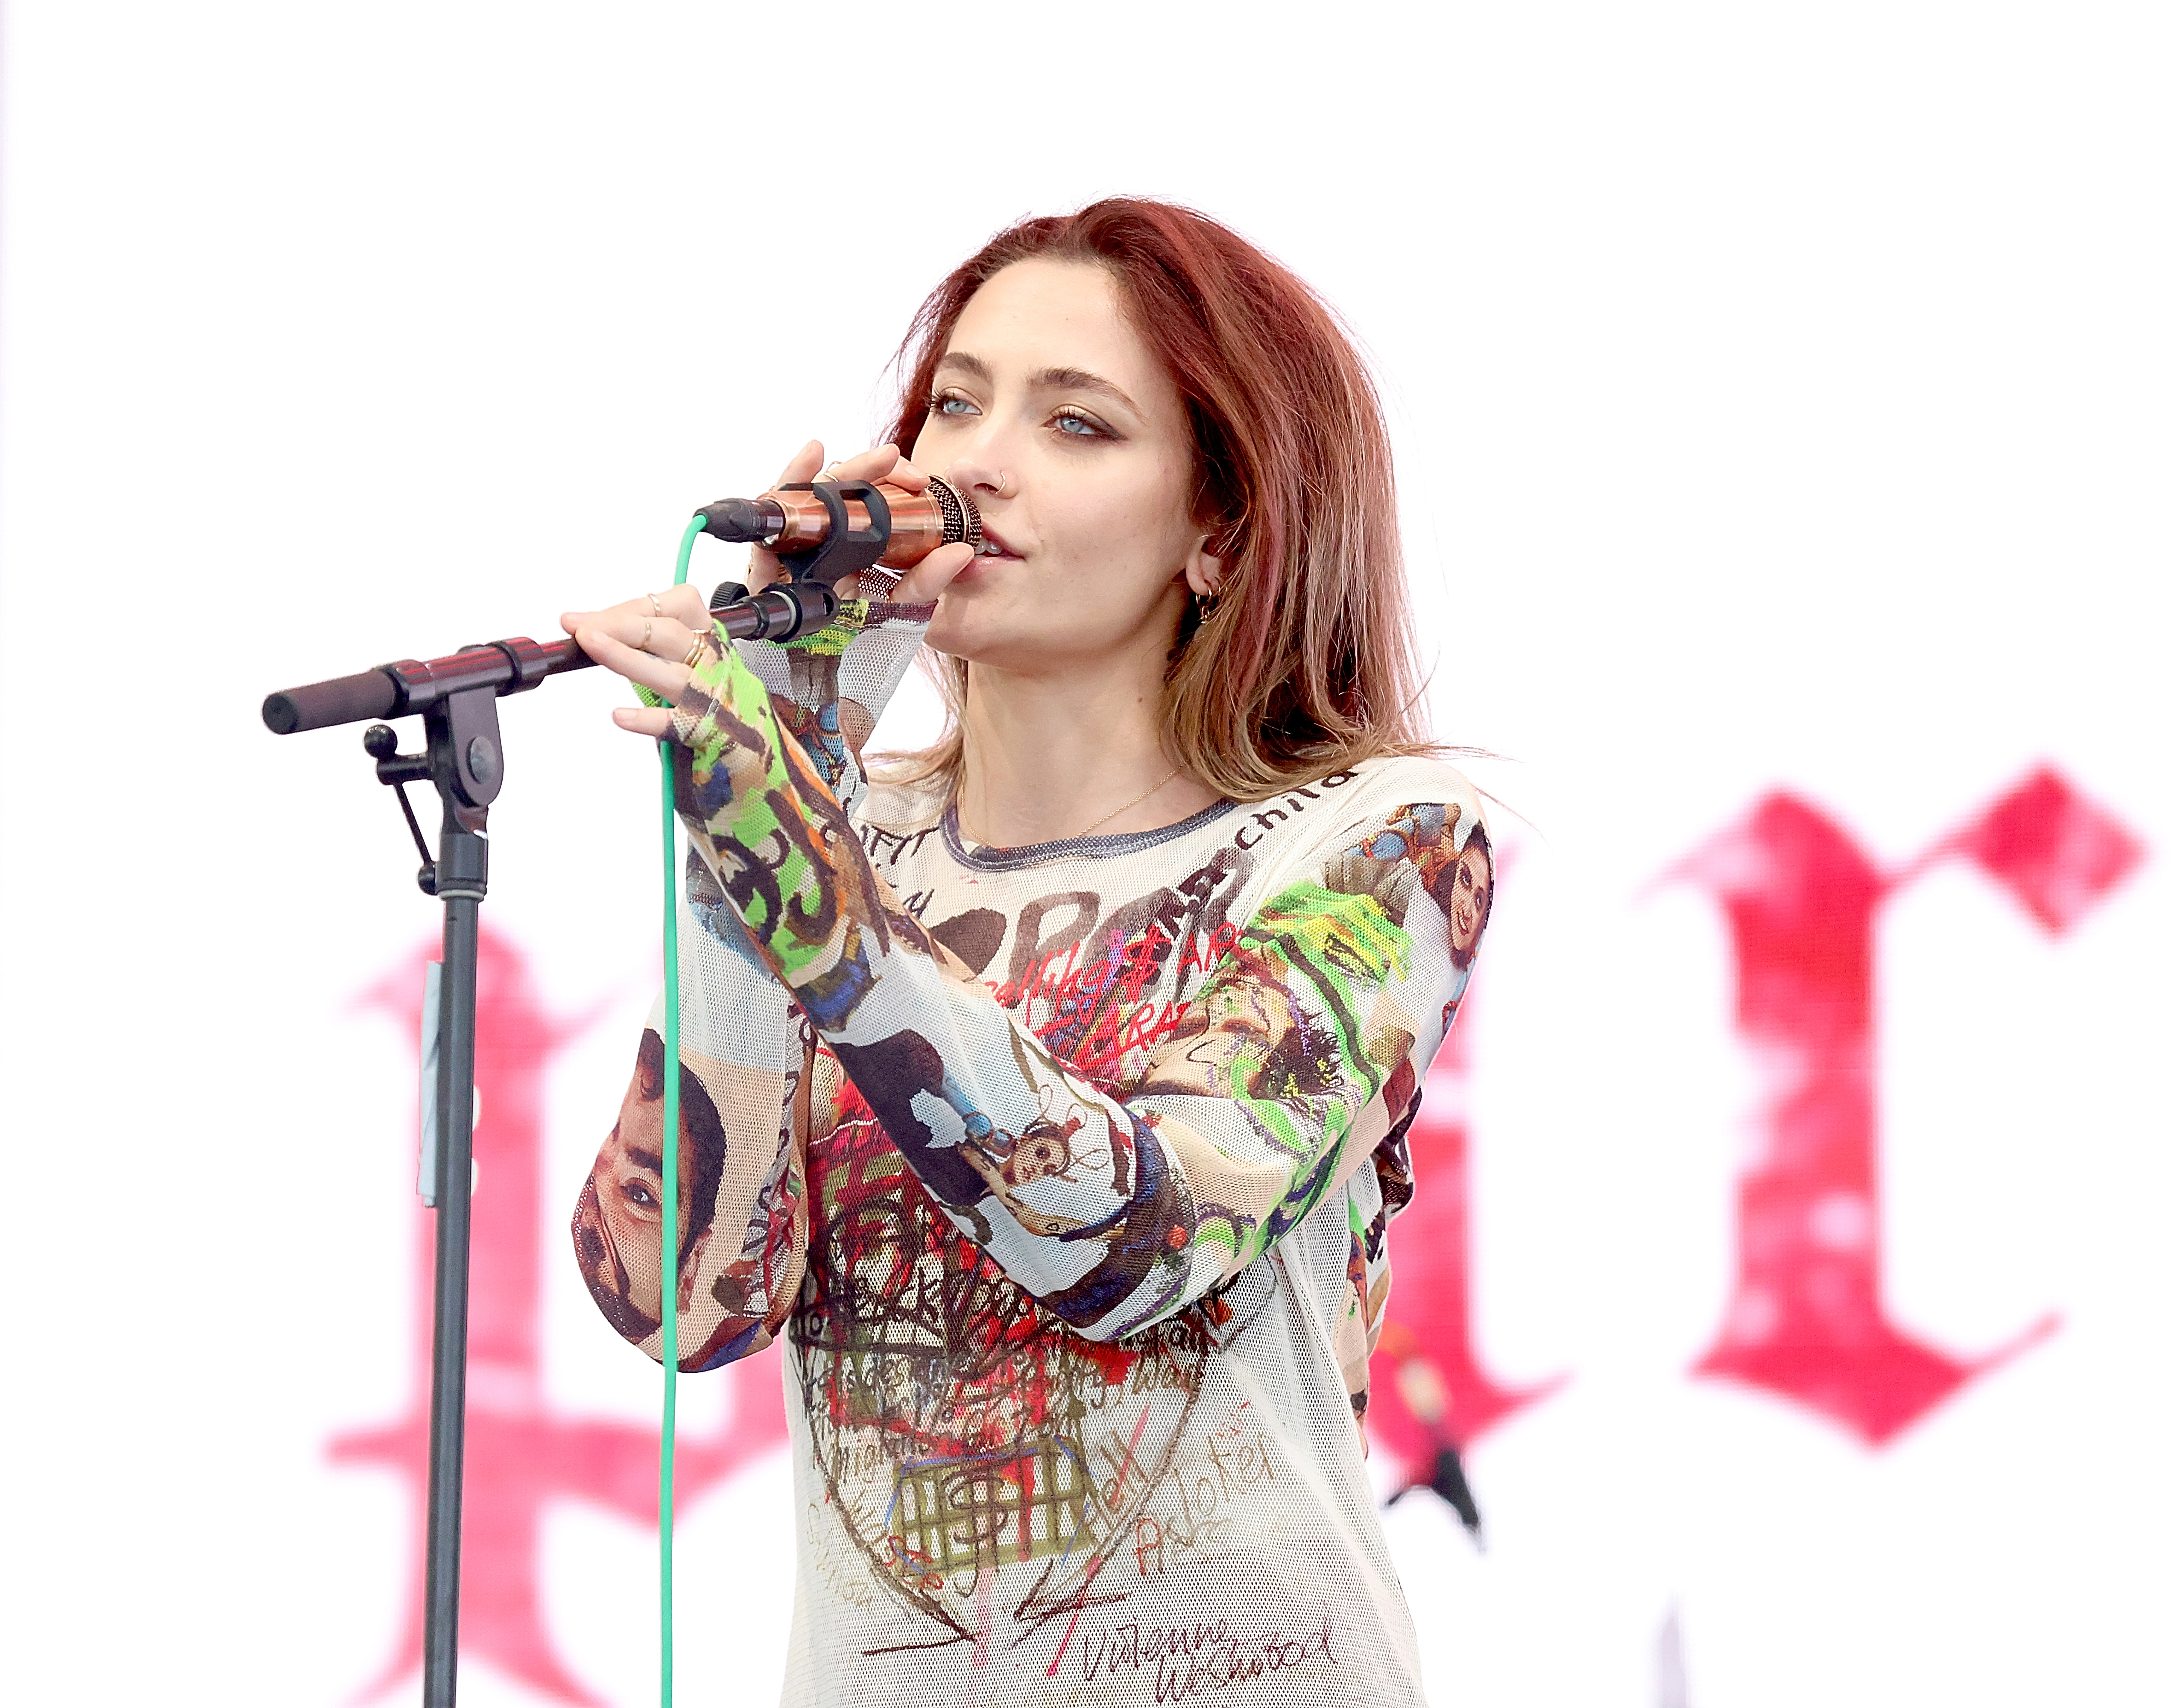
1047	379
645	1159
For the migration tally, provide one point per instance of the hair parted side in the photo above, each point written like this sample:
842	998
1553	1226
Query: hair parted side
1307	664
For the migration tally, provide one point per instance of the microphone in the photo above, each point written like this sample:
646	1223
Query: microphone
823	531
847	525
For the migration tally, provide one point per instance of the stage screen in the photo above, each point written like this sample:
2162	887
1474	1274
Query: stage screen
1784	407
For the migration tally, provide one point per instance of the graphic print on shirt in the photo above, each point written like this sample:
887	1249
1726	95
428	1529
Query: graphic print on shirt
1029	1156
959	1426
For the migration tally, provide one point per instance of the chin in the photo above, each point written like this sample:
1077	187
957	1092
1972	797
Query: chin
943	636
963	629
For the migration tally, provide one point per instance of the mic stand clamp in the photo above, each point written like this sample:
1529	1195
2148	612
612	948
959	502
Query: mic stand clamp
395	769
464	759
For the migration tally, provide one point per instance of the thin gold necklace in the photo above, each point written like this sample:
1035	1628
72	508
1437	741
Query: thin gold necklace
1088	829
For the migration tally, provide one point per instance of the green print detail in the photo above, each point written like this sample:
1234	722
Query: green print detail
1221	1233
1336	942
728	683
738	730
1350	938
1277	1120
833	640
1321	945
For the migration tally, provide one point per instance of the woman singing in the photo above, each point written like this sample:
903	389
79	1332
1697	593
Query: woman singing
1047	1094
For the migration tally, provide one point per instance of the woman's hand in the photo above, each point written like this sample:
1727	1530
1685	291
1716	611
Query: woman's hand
646	639
925	581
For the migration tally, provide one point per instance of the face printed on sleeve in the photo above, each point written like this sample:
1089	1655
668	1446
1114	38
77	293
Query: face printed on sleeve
1469	897
618	1216
1459	878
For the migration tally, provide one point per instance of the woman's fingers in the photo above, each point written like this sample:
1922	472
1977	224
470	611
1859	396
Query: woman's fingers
803	464
654	721
686	605
669	608
649	650
928	579
878	463
594	631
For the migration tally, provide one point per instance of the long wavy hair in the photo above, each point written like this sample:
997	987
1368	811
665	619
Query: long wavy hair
1307	663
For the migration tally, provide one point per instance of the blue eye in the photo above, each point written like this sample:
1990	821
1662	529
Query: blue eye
1079	427
949	404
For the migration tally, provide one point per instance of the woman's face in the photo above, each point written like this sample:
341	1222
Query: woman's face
626	1179
1472	892
1075	442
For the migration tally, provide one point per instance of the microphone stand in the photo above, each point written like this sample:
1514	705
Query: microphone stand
464	762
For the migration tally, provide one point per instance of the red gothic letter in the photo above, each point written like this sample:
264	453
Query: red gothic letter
1807	1320
1428	1386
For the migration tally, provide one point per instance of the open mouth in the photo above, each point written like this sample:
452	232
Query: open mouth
994	547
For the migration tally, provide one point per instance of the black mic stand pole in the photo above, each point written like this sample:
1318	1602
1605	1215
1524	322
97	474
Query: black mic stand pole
463	760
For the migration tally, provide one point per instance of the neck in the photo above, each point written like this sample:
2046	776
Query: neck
1049	756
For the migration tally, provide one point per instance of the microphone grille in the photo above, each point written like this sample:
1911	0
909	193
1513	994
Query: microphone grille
959	515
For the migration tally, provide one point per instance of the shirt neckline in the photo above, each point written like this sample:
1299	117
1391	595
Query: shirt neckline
982	859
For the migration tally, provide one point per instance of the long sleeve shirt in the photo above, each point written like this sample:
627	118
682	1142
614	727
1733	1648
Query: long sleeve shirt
1063	1172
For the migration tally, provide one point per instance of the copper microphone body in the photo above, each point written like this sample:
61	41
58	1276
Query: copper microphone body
919	521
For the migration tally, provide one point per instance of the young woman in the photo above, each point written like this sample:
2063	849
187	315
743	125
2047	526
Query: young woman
1059	1077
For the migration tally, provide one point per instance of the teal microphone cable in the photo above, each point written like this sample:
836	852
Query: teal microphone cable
670	1151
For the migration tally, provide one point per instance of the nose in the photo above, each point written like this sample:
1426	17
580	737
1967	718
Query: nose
979	474
981	464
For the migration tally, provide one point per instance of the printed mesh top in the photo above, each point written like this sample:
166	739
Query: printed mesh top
1064	1172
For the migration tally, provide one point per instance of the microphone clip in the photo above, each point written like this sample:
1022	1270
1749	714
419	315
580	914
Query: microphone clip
845	550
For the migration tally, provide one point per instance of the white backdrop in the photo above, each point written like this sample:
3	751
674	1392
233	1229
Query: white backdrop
1786	400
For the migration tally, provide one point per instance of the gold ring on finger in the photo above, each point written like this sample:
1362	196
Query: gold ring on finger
645	645
696	650
656	611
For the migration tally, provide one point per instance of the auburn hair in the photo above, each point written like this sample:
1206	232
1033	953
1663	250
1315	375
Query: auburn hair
1307	663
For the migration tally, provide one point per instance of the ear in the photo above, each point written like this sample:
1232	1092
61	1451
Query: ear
1204	571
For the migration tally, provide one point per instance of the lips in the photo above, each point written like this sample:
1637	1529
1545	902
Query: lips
996	546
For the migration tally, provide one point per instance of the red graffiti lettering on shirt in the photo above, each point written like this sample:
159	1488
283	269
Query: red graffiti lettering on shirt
1056	977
